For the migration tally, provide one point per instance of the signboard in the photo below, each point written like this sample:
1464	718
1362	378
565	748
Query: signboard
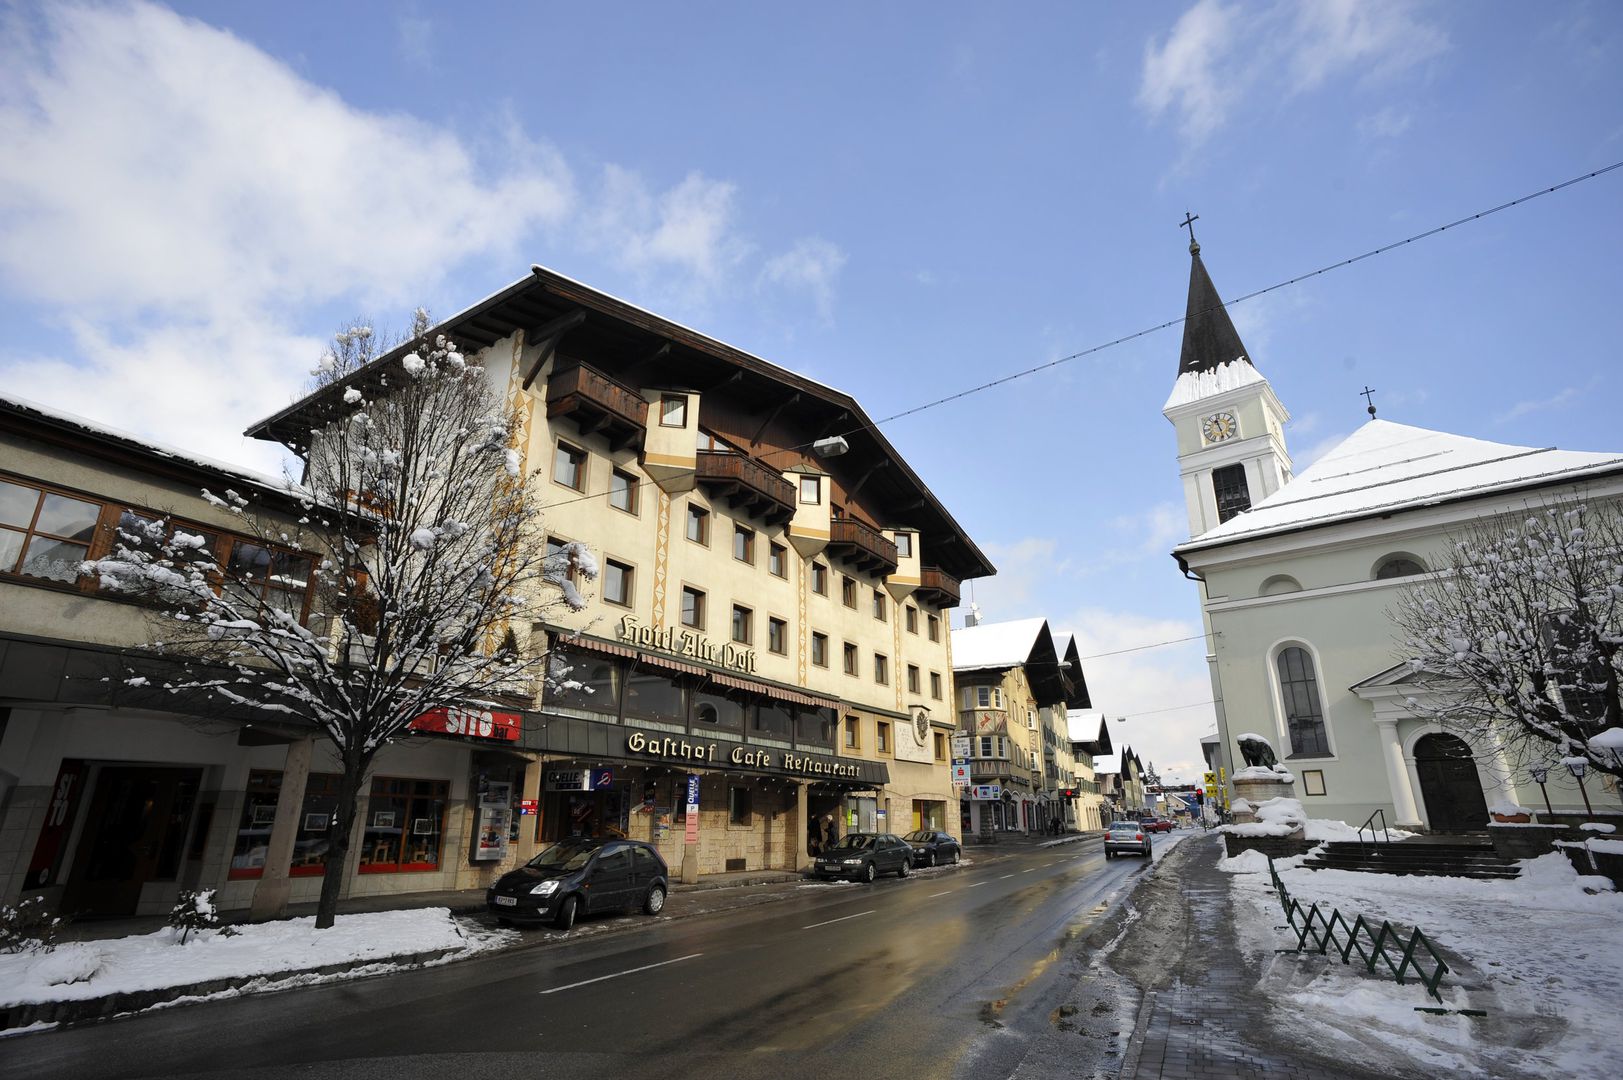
960	746
70	782
704	751
686	643
1209	781
495	816
988	792
602	779
474	723
527	807
960	774
692	836
569	780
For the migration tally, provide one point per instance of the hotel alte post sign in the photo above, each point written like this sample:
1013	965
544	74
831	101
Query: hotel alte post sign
689	644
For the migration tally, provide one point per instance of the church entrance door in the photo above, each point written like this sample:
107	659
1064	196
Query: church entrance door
1449	785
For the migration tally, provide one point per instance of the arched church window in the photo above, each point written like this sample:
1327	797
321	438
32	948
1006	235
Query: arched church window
1399	565
1304	712
1279	583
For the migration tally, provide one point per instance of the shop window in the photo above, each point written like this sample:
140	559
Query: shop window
583	682
777	636
848	592
623	491
617	578
850	658
405	826
911	619
853	738
738	806
652	695
935	685
673	410
882	736
743	624
814	725
775	719
692	607
698	524
254	827
913	679
819	649
777	560
569	466
819	579
744	544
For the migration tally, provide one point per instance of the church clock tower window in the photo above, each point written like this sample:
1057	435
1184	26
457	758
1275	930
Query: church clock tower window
1233	497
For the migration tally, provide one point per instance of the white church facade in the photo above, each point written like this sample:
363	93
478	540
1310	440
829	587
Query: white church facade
1297	574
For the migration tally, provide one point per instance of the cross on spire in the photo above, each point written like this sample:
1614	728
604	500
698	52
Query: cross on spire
1188	222
1369	397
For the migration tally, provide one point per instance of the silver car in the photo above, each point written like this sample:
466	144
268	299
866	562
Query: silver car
1127	838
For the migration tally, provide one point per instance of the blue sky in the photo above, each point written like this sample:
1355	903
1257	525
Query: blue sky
900	200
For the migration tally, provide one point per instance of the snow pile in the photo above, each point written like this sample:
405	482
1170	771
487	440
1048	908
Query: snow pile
1199	385
1332	829
1506	808
1597	827
1275	817
1246	862
155	961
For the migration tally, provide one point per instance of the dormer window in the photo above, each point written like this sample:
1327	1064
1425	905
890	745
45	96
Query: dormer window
673	410
904	545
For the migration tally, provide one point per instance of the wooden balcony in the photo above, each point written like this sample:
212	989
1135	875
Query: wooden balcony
746	484
937	587
598	404
862	546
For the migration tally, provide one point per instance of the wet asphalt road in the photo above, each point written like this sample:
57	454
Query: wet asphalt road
951	973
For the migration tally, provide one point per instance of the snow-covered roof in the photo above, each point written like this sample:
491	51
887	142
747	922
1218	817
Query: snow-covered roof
995	645
1385	467
1083	724
140	444
1198	385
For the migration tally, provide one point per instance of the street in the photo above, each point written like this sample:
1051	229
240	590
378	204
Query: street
952	972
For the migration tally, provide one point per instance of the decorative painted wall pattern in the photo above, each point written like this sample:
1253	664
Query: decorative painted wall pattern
662	553
801	585
899	676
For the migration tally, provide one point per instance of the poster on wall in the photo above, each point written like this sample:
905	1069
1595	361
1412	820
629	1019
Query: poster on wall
494	826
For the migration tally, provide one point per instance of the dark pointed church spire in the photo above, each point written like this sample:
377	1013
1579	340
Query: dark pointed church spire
1209	338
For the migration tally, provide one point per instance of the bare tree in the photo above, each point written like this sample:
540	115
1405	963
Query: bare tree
1520	634
426	558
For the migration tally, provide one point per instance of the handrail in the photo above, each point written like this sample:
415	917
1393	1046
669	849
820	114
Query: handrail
1369	823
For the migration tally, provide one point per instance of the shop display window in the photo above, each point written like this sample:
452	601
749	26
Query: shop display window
259	813
254	828
775	719
727	712
405	825
652	695
815	726
579	682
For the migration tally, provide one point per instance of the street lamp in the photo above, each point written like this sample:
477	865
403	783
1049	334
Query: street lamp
1541	773
1577	766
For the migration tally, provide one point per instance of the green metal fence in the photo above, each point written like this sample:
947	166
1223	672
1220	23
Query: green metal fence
1332	932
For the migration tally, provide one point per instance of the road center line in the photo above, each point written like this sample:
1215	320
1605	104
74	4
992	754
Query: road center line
617	974
842	918
1028	871
977	884
933	895
1006	876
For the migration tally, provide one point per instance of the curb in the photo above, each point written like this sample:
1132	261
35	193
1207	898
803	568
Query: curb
101	1008
1135	1045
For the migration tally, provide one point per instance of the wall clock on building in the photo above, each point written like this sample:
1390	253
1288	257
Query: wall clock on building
921	726
1219	426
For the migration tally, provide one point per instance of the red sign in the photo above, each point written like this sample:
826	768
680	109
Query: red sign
53	832
477	723
527	806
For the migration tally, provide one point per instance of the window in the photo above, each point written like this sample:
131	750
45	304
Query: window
623	491
652	695
881	669
259	812
738	806
617	582
598	677
1233	497
819	649
935	628
880	608
405	821
819	579
777	636
904	544
743	624
707	441
698	524
692	607
850	658
558	561
848	592
882	736
569	467
983	697
940	746
731	710
935	685
281	579
1396	566
1299	691
47	534
853	738
811	490
912	678
777	560
673	410
910	618
743	544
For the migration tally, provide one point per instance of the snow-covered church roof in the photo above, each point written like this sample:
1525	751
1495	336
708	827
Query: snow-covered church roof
1385	467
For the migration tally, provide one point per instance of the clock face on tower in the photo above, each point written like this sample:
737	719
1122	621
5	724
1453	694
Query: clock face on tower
1219	426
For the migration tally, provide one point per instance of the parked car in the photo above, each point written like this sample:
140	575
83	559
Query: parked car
1156	824
864	856
931	847
1127	838
581	876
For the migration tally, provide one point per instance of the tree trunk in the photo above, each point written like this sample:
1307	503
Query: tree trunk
354	766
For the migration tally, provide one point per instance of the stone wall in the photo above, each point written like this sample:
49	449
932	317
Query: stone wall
1275	847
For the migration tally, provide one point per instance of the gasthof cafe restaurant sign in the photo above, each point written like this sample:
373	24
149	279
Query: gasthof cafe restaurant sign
688	644
667	748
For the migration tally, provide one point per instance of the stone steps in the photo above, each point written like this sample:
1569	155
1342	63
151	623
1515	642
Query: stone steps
1424	860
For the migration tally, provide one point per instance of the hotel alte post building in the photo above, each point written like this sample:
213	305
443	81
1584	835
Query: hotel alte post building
764	657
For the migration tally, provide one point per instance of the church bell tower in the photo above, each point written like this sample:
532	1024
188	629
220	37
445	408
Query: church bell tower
1230	426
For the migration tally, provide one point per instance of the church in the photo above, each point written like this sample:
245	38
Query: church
1297	573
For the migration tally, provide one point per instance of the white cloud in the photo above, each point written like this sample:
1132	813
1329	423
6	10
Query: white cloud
414	37
1149	532
813	266
1388	123
684	236
1559	400
1216	57
1025	567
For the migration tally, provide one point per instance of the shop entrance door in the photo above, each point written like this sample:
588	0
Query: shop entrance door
135	832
